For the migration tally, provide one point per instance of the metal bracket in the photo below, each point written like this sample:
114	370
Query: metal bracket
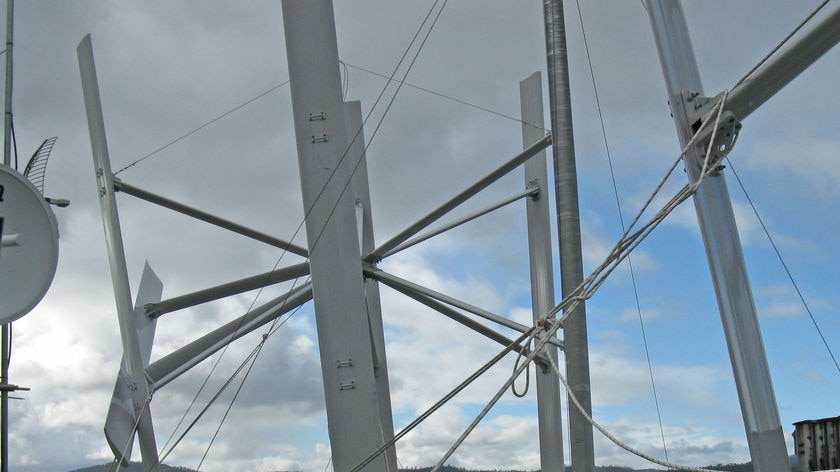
151	310
534	187
699	108
99	177
5	387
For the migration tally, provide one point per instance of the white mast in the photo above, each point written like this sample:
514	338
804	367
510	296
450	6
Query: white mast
723	248
351	389
138	382
542	273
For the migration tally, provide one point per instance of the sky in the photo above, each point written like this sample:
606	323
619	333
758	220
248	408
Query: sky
165	68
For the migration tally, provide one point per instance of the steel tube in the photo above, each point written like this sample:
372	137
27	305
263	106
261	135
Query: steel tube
464	320
169	367
284	274
497	174
530	192
150	197
568	224
4	407
5	342
785	66
7	119
405	286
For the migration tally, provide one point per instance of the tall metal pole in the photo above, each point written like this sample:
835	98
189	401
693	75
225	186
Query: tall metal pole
7	133
568	223
7	160
542	273
723	248
326	167
138	383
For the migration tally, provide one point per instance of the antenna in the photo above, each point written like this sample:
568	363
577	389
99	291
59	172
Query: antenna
36	169
29	253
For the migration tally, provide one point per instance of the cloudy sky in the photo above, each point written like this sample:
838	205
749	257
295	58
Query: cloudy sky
165	68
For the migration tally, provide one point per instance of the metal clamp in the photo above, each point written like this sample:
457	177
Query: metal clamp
725	134
534	187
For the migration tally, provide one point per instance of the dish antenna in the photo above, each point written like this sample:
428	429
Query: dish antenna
29	249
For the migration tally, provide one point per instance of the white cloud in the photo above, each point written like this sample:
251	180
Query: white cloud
630	314
808	162
686	445
165	68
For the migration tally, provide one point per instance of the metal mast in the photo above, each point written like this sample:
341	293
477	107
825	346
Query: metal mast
138	383
7	160
345	340
723	248
7	133
542	273
568	223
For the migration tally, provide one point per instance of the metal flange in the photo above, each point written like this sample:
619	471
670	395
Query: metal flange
700	109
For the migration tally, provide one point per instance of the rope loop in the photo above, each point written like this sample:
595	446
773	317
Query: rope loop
522	353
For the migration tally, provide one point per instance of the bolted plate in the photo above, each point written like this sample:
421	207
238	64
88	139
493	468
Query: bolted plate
29	250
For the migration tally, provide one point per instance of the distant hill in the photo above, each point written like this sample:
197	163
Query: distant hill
133	467
136	467
747	467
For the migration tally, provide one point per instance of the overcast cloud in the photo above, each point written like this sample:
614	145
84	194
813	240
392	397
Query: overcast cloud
167	67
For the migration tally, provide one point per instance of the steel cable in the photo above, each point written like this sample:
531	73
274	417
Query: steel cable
591	284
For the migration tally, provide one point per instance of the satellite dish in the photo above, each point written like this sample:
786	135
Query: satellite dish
29	249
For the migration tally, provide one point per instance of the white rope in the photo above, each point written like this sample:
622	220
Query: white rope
452	393
513	390
629	241
588	287
612	438
531	355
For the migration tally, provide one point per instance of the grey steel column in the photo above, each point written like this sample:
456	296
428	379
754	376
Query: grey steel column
542	273
7	122
4	406
338	287
568	223
723	249
6	341
116	256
